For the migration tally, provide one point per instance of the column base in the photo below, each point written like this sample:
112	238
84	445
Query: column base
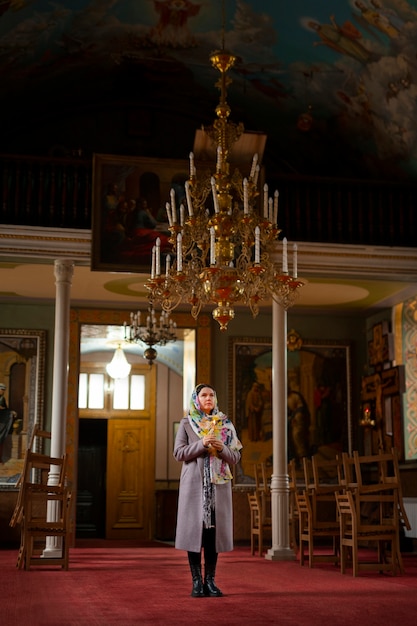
280	554
52	553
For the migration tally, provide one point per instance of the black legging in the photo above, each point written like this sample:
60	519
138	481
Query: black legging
209	545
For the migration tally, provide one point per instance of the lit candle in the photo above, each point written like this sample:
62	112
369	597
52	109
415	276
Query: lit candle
215	197
153	262
158	257
188	196
173	207
266	201
212	246
179	252
295	268
276	194
284	256
245	197
167	265
253	168
257	245
168	210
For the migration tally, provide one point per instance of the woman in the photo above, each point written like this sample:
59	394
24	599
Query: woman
206	444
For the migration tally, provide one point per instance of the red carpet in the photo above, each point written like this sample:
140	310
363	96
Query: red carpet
125	583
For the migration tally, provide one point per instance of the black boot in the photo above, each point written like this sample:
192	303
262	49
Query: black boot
210	588
195	567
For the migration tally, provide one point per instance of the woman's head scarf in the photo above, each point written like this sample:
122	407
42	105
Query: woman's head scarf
219	424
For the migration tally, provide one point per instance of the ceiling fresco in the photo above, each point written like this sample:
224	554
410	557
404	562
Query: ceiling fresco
333	84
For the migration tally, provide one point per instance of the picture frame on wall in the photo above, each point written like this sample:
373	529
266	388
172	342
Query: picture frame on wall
128	212
22	373
319	400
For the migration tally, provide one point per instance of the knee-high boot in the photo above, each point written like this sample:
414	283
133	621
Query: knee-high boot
194	559
210	588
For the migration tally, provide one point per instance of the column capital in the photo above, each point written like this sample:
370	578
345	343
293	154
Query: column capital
64	270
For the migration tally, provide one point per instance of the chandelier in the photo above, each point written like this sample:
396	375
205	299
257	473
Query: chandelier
119	367
224	241
152	333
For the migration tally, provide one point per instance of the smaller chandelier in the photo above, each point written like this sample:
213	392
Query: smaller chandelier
152	333
119	367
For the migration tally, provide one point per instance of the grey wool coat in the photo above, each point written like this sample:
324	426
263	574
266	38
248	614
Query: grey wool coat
189	449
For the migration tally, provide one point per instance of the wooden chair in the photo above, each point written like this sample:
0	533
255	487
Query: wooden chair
378	492
39	500
353	531
262	477
35	473
259	524
37	435
321	476
311	531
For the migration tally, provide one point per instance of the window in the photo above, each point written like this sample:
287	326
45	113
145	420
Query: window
98	391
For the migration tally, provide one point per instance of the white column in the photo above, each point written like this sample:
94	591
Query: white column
63	270
280	550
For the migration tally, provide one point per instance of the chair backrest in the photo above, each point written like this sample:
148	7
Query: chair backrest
376	469
308	473
255	510
347	478
303	505
262	477
39	466
326	473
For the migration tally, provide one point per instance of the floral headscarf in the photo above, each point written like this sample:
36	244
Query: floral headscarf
221	426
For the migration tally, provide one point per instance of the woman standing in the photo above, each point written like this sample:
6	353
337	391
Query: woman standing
206	444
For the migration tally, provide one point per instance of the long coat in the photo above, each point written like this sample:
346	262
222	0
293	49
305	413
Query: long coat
189	449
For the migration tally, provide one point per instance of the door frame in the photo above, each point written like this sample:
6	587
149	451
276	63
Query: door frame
80	316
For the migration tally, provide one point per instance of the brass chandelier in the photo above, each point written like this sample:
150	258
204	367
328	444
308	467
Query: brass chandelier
151	333
224	240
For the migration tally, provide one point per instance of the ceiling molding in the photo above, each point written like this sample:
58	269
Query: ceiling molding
314	259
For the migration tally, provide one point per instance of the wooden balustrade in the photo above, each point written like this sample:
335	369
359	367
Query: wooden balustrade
37	191
57	192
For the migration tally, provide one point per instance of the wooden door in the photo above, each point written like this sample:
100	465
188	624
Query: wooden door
130	479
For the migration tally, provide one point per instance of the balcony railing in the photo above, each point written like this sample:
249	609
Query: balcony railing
58	193
45	192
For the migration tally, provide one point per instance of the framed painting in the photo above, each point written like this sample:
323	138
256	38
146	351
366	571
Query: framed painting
22	365
319	400
128	213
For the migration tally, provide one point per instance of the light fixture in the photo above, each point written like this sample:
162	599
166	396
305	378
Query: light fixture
225	241
152	333
118	367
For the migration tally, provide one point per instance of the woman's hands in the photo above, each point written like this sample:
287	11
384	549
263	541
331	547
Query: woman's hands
213	442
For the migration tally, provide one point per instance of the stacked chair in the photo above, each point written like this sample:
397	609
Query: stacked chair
42	510
372	511
317	510
356	503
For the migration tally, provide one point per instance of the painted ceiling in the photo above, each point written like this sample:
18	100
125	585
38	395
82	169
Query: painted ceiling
332	84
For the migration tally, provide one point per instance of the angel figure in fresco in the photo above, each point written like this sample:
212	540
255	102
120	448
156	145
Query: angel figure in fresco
376	20
172	27
342	39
